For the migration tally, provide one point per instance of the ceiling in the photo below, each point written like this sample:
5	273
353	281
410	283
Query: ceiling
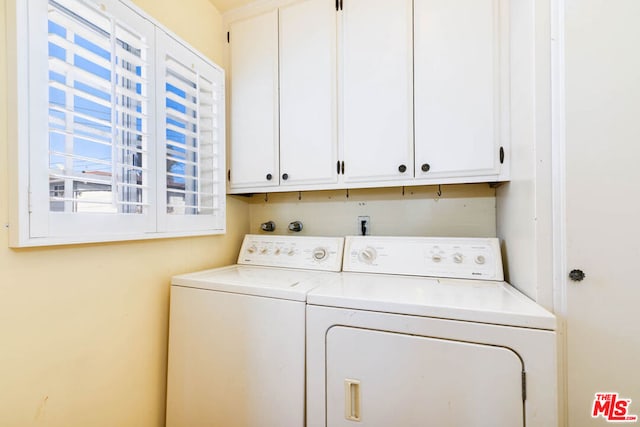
225	5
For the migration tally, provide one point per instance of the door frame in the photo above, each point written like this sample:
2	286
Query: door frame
559	194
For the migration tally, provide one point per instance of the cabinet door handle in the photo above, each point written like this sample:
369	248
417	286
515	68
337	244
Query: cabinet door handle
285	176
269	176
402	168
352	400
338	167
342	167
425	167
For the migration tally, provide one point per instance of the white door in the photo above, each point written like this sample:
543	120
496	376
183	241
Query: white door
254	102
308	94
382	379
457	87
602	204
377	90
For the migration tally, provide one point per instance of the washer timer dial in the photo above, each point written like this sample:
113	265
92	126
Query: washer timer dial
368	255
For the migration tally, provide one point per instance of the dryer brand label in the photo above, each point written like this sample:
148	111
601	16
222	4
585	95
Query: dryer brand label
612	408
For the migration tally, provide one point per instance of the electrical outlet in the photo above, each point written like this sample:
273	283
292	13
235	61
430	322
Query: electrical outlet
364	226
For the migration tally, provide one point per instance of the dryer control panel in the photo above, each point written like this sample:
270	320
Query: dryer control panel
451	257
304	252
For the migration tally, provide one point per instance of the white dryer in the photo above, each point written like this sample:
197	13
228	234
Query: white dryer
425	332
237	334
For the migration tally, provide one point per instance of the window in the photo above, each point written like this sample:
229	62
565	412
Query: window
119	126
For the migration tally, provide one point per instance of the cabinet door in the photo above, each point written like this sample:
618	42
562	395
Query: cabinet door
308	131
457	88
382	379
377	90
254	102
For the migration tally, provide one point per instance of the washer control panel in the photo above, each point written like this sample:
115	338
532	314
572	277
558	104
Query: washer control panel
451	257
304	252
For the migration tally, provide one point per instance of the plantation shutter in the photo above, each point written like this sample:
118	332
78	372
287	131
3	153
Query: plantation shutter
98	112
193	131
99	107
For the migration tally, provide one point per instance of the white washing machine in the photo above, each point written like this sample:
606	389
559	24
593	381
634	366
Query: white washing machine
389	346
237	334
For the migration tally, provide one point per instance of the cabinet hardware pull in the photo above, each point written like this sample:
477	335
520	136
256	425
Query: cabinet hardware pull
338	167
342	168
285	176
269	176
425	167
501	155
402	168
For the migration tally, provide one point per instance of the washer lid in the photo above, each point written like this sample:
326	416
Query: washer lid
271	282
469	300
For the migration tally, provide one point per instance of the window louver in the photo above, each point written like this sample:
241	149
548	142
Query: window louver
98	112
192	140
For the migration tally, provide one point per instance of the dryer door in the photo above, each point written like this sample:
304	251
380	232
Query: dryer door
382	379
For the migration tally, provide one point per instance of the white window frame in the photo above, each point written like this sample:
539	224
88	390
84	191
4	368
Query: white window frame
31	221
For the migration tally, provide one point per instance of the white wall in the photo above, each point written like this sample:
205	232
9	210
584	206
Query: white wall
524	204
462	210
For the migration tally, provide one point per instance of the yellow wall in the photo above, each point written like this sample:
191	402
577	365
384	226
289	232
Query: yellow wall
83	329
196	21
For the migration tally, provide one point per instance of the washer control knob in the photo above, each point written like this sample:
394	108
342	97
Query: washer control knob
291	252
368	255
319	254
480	259
457	258
263	251
251	249
277	251
436	258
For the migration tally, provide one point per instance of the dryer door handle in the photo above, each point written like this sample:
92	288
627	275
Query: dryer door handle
352	399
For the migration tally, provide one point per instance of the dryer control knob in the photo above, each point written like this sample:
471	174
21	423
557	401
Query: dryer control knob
251	249
480	259
368	255
457	258
319	254
436	258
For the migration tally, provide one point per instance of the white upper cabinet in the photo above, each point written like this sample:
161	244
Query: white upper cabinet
308	115
460	123
367	93
377	90
254	158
